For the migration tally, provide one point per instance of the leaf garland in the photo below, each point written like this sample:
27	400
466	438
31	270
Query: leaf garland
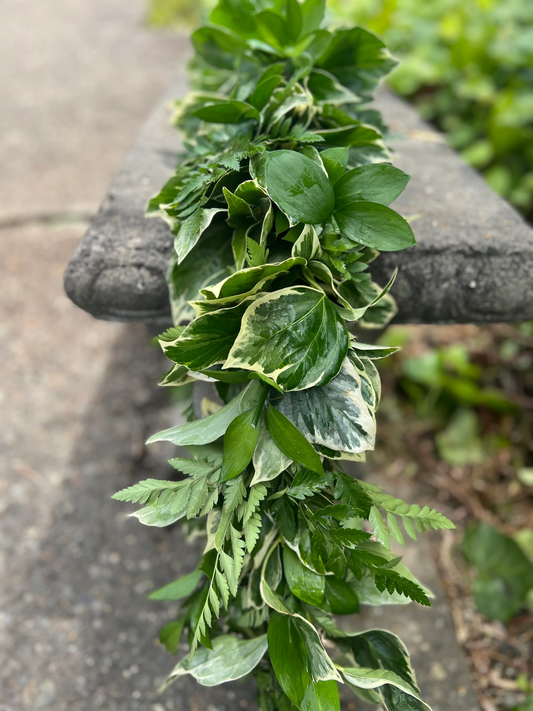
277	209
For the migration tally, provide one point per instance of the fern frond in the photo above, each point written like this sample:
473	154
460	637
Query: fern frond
147	491
195	467
234	493
413	517
257	494
252	531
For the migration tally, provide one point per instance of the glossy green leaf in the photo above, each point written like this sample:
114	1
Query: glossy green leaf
375	225
239	445
291	441
327	90
364	678
171	634
191	230
268	81
299	187
312	15
273	29
293	336
307	245
335	415
239	211
297	655
268	460
231	658
335	161
210	428
294	19
228	112
208	339
381	183
180	588
323	696
358	59
244	281
304	583
218	47
341	598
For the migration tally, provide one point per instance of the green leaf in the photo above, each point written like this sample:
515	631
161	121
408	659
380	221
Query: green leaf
323	696
283	514
306	483
374	226
304	583
210	428
256	255
266	84
231	658
245	281
268	460
373	351
208	339
273	29
294	19
228	112
180	588
239	211
378	182
312	15
327	90
234	493
239	445
299	187
293	336
257	493
335	415
218	47
377	649
158	516
291	441
341	598
171	634
307	244
505	575
335	161
192	229
297	655
362	678
211	260
358	59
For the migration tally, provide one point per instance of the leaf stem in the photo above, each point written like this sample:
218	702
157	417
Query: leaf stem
260	404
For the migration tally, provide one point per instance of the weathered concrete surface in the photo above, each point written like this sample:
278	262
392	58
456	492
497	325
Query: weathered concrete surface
78	78
473	262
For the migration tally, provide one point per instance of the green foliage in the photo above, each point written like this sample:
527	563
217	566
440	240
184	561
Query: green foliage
505	575
468	66
284	191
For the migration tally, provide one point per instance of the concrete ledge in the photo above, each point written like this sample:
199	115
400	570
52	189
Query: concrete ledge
473	262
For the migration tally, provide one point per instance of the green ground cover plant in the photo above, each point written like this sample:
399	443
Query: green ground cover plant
468	67
278	207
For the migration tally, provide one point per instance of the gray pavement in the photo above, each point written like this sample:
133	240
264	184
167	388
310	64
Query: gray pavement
78	396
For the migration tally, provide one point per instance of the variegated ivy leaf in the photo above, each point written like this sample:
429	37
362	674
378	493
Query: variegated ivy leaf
210	428
244	281
191	230
268	460
335	416
294	336
307	245
208	339
231	658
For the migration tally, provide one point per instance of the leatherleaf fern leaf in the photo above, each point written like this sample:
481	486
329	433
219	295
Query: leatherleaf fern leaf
277	209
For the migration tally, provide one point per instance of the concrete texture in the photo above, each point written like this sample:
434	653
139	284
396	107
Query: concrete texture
78	80
473	262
